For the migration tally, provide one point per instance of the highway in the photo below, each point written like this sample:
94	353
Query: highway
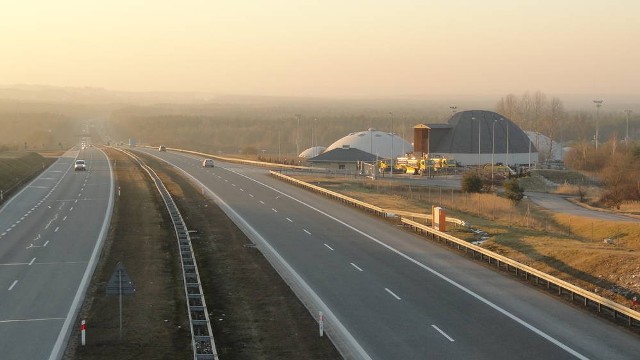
51	234
389	294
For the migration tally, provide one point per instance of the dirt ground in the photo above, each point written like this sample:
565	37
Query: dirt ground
254	314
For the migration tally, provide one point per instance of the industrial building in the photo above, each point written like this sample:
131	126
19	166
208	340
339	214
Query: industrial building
469	137
476	137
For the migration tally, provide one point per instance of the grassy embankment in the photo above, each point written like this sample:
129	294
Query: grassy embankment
568	247
17	168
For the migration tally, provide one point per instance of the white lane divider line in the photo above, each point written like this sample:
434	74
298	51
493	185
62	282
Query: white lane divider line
75	202
31	262
251	195
307	231
289	220
71	208
45	244
57	228
234	185
241	189
12	285
356	266
392	294
64	218
274	210
443	333
329	247
261	202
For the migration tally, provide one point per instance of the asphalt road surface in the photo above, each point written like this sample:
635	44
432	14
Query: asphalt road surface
50	234
389	294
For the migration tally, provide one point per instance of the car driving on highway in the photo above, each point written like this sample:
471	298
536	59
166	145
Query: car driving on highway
80	165
207	163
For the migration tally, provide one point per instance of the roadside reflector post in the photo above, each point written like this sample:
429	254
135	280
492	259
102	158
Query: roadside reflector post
118	190
321	324
83	328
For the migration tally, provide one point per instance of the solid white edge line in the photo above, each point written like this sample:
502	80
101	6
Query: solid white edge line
433	271
443	333
65	332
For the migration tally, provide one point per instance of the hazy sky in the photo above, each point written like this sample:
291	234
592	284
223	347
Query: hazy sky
326	47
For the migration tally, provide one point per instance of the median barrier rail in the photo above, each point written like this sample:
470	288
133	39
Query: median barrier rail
202	342
564	288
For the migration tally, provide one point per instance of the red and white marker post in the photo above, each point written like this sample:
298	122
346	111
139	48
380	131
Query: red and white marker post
321	324
83	328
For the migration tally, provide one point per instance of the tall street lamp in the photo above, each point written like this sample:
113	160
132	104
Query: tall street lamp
473	119
598	103
626	138
298	135
493	147
506	161
391	170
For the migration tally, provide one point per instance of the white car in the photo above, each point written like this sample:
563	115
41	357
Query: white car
207	163
80	165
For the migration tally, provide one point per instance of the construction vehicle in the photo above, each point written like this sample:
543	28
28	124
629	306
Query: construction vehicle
419	165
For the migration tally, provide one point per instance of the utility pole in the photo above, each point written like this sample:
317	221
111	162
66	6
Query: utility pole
598	103
298	135
626	138
391	169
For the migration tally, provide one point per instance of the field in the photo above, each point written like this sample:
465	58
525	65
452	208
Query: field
568	247
18	167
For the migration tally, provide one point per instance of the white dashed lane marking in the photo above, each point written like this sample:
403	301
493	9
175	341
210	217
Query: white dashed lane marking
392	294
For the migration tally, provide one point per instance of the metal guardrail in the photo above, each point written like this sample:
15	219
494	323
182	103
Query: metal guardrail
203	344
564	288
521	270
360	204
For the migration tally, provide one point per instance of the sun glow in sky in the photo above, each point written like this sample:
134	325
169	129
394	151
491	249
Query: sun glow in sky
324	48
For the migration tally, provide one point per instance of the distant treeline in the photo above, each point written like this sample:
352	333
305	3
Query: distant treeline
272	126
234	128
36	131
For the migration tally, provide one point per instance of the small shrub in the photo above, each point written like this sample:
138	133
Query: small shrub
471	183
513	191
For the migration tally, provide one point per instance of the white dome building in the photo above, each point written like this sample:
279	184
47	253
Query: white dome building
375	142
312	152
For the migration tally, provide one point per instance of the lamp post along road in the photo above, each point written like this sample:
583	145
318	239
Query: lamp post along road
472	119
493	148
626	138
391	155
598	105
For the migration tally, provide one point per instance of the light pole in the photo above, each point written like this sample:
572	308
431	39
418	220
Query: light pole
626	138
493	147
472	119
598	103
298	135
506	161
391	169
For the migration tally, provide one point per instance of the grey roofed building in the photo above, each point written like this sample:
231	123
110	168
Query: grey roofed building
459	138
345	158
